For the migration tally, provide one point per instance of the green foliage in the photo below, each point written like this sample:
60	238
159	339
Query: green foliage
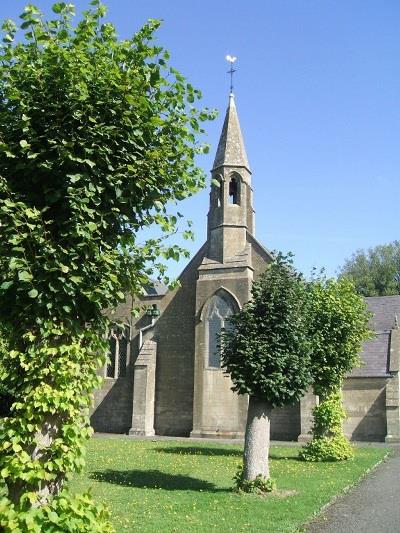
267	351
101	137
54	393
335	448
329	416
65	514
259	485
329	442
376	271
7	395
338	326
7	398
97	135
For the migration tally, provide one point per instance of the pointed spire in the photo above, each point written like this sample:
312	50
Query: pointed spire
231	150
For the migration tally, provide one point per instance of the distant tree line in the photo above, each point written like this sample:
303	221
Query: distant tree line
376	271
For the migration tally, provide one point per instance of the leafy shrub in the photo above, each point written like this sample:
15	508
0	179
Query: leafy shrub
66	513
329	416
259	485
335	448
329	442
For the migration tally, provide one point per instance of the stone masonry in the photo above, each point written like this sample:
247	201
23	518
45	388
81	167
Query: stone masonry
169	380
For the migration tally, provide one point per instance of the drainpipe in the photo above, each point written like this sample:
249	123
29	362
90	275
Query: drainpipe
154	312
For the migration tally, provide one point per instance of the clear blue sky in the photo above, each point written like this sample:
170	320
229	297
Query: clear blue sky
317	91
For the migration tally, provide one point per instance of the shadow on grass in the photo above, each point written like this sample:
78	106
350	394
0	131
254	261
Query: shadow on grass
153	479
277	457
199	450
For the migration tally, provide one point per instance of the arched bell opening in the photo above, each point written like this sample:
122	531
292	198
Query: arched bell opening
234	191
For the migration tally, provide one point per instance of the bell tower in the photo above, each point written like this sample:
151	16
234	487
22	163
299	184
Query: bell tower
224	279
231	214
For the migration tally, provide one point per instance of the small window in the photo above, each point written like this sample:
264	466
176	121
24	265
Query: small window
119	343
234	191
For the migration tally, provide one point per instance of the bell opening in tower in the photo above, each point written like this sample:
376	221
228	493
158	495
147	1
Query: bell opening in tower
234	191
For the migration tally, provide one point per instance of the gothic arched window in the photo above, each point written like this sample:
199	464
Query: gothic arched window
218	310
234	190
119	343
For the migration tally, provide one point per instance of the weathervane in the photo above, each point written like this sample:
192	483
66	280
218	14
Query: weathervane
231	60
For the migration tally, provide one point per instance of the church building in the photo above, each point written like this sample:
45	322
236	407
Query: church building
164	376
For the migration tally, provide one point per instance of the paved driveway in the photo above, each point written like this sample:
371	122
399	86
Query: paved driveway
371	507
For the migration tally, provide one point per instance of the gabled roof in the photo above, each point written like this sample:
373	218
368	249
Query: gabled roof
374	357
155	289
376	352
384	308
231	150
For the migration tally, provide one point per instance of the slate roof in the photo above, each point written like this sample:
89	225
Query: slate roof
375	354
156	289
384	308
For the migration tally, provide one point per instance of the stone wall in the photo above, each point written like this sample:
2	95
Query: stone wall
175	358
285	423
112	404
217	411
364	400
112	408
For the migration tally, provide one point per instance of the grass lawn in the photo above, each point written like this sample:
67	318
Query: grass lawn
176	486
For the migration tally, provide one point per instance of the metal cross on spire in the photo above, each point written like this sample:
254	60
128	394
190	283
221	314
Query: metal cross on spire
231	60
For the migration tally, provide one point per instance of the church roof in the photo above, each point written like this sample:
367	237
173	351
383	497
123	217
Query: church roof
231	150
155	289
376	352
384	309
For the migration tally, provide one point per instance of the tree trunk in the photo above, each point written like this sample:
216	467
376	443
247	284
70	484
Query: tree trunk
256	446
48	488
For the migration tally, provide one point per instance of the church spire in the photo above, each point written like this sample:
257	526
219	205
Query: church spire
231	214
231	151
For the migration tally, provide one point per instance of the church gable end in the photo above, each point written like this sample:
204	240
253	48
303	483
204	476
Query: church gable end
165	374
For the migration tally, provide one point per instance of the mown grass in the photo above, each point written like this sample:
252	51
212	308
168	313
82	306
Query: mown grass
175	486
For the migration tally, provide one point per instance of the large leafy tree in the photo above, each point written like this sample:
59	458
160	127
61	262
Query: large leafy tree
376	271
97	136
267	354
338	326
